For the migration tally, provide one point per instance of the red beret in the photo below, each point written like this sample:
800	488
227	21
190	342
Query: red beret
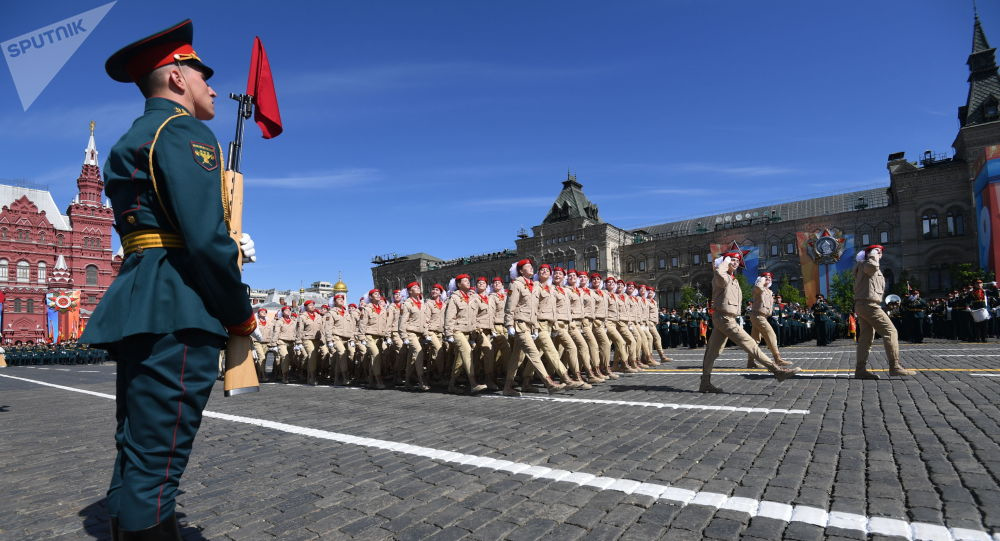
482	279
559	269
595	275
545	266
370	291
522	263
411	284
308	302
460	276
438	287
873	246
259	310
767	274
352	305
497	279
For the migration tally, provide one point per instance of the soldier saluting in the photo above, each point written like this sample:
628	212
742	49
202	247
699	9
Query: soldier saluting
869	286
164	179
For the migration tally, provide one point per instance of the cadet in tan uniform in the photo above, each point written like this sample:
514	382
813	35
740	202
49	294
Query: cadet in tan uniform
373	325
727	302
356	345
262	340
459	322
546	317
412	328
637	323
653	321
589	300
394	355
337	334
435	332
561	337
501	342
284	337
760	310
324	365
869	286
600	324
520	321
614	326
482	335
309	335
577	327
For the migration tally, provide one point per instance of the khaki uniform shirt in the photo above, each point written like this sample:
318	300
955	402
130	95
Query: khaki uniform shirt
435	315
576	310
562	302
413	317
727	297
266	329
546	303
522	303
654	313
309	328
614	306
498	301
284	329
341	324
460	312
763	301
374	320
869	284
392	318
484	313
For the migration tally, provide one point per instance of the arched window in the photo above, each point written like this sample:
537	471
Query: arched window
91	275
22	234
41	272
59	240
30	306
3	233
956	223
41	237
642	264
23	271
17	305
929	225
3	270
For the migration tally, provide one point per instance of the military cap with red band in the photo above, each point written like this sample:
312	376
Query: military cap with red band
134	61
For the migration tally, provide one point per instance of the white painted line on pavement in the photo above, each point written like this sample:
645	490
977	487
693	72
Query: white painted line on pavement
89	371
986	375
797	513
651	404
969	355
759	373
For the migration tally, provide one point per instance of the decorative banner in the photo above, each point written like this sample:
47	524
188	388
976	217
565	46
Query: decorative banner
987	193
821	261
63	315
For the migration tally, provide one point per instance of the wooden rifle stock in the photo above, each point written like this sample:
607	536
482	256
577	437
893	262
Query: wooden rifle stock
240	374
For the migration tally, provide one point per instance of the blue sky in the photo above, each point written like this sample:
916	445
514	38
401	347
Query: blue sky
445	126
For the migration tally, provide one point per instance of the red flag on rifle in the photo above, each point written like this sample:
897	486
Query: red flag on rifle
260	85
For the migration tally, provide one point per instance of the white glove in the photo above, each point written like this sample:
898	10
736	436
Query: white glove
329	345
534	335
406	341
246	246
385	343
493	334
428	339
351	343
511	331
450	339
273	349
254	353
256	335
298	347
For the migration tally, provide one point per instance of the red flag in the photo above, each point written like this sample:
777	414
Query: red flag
260	85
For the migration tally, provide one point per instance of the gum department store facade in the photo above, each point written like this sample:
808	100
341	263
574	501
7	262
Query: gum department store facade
925	218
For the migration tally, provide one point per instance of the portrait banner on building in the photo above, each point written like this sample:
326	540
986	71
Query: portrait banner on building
63	315
986	189
823	254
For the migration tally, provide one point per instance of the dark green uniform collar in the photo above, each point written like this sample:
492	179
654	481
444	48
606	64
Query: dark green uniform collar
163	104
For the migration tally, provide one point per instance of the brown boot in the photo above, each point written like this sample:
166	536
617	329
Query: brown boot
509	391
861	372
751	364
784	373
554	387
781	362
707	387
899	370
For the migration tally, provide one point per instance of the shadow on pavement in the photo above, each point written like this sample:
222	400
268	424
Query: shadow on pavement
96	523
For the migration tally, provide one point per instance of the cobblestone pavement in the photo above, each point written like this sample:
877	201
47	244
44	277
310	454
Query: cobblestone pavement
821	456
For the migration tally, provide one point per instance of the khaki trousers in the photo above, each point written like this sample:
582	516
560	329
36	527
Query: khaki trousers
286	351
726	328
631	341
872	319
375	352
501	347
645	341
415	360
548	350
260	362
524	347
482	354
593	348
761	328
435	353
338	358
397	354
313	348
616	338
570	356
600	329
463	357
582	347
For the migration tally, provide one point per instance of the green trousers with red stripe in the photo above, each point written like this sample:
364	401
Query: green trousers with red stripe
163	385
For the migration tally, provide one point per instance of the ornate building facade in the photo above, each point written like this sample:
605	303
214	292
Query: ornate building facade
43	250
925	218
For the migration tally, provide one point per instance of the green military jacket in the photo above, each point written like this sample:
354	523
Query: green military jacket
165	173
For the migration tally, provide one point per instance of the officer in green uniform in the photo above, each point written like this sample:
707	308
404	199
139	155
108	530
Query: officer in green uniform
821	321
164	181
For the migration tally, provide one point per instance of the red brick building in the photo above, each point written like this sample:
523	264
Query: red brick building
42	250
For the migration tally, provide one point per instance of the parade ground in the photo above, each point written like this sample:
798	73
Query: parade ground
820	456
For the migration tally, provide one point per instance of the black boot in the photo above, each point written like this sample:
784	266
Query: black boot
165	530
114	529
